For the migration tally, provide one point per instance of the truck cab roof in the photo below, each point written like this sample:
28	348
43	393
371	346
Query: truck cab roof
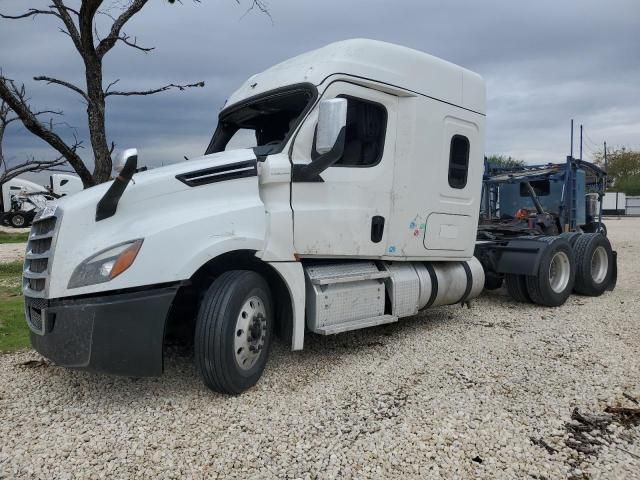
398	67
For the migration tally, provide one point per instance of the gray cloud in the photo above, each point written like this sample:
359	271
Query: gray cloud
545	62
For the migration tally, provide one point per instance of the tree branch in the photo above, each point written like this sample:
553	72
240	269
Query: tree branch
259	5
62	83
110	40
15	98
32	166
155	90
106	90
72	30
32	12
125	39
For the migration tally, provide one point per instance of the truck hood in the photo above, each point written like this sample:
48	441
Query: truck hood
156	182
182	223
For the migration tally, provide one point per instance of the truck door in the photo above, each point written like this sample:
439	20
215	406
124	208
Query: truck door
348	212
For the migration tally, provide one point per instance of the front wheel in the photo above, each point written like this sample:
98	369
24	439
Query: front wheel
18	220
234	331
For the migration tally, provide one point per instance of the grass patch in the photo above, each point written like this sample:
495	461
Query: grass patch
14	333
6	237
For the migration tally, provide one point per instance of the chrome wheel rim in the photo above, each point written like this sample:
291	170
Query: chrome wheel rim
250	333
18	220
599	265
559	272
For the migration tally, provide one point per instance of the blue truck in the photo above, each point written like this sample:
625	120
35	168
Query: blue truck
525	207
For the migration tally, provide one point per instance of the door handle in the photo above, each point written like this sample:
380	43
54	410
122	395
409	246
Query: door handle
377	228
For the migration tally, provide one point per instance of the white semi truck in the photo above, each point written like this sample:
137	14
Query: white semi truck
22	199
355	204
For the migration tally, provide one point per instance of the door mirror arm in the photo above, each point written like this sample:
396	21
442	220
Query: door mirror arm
311	171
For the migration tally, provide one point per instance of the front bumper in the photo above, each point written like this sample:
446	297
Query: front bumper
120	334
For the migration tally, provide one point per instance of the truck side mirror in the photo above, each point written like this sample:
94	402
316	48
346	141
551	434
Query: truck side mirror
329	140
123	157
332	118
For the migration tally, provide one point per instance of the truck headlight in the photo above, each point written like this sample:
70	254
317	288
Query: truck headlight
105	265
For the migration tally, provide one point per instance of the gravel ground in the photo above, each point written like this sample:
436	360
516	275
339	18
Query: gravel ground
11	252
456	393
4	228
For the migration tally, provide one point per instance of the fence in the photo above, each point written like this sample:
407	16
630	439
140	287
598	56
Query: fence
632	206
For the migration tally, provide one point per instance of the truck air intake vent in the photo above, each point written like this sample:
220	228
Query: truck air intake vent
44	226
219	173
38	257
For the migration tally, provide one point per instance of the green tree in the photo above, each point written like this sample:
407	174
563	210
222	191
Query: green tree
623	169
503	161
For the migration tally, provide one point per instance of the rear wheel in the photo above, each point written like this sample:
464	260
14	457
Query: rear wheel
233	332
594	264
570	237
517	287
556	275
492	281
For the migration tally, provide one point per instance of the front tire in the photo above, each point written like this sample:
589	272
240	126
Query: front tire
233	332
18	220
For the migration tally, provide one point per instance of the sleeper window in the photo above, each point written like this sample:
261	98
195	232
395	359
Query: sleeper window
365	132
458	161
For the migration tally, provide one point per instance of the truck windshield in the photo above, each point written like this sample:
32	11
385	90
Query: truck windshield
263	121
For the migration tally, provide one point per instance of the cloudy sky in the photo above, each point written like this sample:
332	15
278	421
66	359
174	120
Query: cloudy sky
545	62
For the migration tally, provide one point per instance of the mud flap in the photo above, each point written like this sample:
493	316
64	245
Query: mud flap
614	273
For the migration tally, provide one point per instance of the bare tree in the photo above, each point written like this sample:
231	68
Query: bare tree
31	164
79	24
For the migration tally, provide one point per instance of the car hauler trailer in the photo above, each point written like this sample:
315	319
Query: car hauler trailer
556	204
355	204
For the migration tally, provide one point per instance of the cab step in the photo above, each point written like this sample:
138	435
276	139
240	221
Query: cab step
356	324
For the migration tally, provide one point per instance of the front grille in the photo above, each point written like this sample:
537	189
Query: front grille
39	265
34	312
38	258
43	227
36	284
41	245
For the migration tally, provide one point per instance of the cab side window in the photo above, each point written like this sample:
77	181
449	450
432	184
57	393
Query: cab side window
365	132
458	161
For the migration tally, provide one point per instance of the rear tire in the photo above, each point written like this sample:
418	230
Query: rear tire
554	281
492	281
594	264
570	237
234	331
517	287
